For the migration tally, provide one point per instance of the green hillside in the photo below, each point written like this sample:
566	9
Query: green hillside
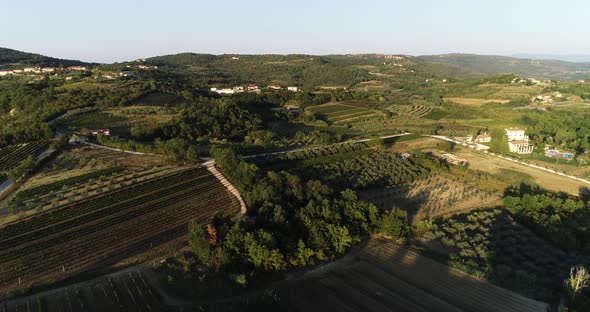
15	59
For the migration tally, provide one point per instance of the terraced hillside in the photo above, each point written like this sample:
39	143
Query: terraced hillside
342	113
101	229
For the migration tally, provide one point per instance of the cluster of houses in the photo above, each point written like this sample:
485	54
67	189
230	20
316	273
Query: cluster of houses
251	88
39	70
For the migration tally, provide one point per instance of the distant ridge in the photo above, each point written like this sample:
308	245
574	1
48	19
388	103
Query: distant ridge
10	58
575	58
493	64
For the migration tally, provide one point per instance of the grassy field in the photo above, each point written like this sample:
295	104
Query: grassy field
497	166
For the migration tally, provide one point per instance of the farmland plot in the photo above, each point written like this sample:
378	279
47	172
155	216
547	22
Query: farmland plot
102	229
11	156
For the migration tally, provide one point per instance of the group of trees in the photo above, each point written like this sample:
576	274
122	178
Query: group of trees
564	221
567	130
293	222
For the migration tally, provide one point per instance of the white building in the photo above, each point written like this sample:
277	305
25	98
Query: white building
483	138
293	89
516	134
223	91
5	72
518	141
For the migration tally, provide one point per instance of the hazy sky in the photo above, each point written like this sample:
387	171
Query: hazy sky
109	30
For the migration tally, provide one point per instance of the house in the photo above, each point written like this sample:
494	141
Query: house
518	141
252	87
483	138
520	147
32	69
76	68
47	69
293	89
516	134
223	91
238	89
235	58
5	72
127	74
18	71
275	87
105	132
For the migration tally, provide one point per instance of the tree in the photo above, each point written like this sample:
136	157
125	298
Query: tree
577	281
393	223
198	239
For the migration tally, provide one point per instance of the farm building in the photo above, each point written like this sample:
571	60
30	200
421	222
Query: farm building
293	89
5	72
76	68
252	88
483	138
275	87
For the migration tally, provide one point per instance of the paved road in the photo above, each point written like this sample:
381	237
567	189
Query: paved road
6	185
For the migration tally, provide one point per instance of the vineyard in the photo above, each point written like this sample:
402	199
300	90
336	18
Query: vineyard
372	170
308	153
489	243
11	156
387	277
79	187
339	114
431	197
101	229
124	292
411	111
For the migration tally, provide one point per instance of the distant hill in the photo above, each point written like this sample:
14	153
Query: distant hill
15	59
490	64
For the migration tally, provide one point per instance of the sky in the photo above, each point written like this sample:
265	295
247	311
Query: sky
123	30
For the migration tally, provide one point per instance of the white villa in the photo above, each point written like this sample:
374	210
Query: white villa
518	141
483	138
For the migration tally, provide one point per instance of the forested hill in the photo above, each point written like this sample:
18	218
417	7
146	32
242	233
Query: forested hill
490	64
309	71
10	59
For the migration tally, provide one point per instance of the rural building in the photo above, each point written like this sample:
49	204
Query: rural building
48	69
518	141
76	68
223	91
235	58
5	72
252	87
516	134
483	138
520	147
106	132
238	89
17	71
32	69
275	87
293	89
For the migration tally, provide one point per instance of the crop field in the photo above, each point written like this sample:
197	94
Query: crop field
124	292
341	113
386	277
11	156
100	230
75	188
159	99
431	197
